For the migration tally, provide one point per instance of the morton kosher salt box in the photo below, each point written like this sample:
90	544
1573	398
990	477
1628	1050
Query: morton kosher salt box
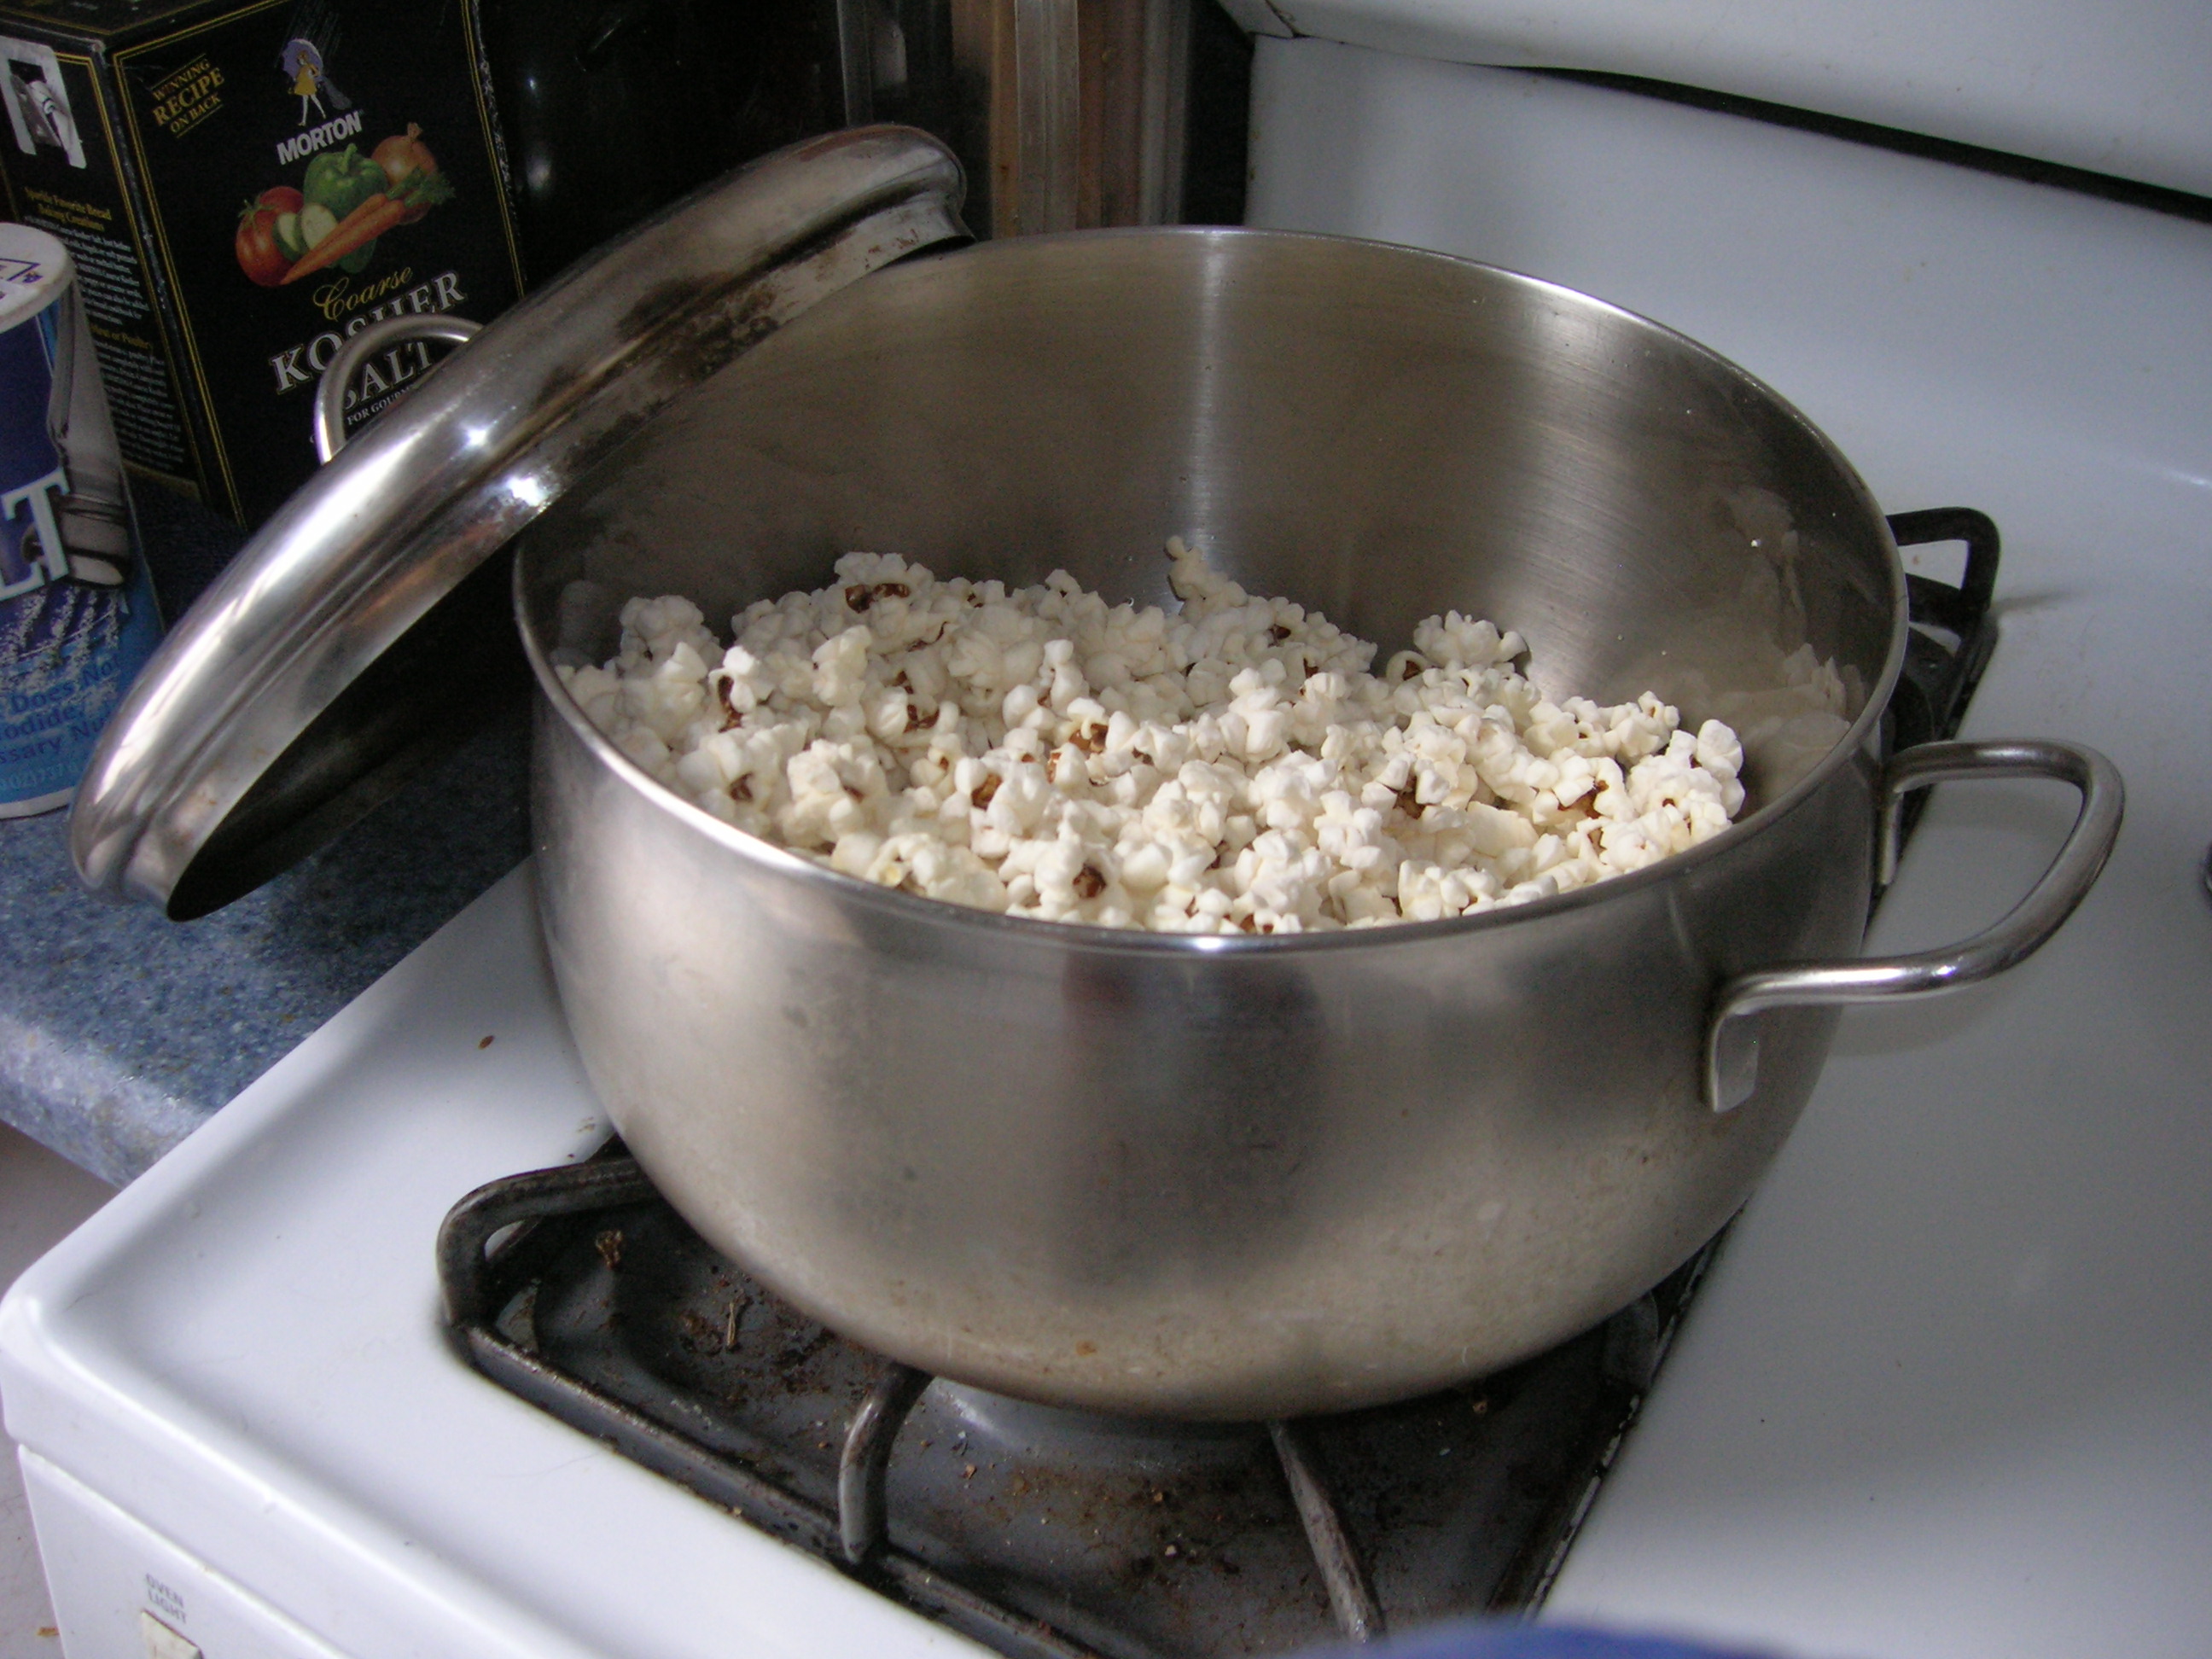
243	185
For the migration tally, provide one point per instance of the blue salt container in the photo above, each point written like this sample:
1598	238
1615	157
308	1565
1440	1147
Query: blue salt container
77	617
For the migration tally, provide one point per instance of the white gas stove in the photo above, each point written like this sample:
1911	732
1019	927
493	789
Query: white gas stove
1948	1390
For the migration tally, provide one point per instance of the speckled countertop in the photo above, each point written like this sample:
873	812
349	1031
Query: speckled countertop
121	1031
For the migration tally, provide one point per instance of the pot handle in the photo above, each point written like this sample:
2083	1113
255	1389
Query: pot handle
1732	1048
330	433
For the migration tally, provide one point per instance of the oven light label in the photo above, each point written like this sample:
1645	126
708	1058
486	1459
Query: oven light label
163	1600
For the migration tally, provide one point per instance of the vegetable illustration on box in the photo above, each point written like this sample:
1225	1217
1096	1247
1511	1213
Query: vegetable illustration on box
345	203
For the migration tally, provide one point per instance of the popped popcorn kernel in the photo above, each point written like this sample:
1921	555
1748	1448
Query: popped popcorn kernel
1233	766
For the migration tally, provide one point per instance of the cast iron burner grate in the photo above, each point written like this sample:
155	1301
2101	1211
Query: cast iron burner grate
1050	1535
1039	1531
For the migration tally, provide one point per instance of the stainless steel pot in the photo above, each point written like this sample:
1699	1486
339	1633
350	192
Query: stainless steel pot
1247	1176
1253	1177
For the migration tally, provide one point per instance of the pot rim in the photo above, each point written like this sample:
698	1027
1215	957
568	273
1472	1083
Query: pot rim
918	907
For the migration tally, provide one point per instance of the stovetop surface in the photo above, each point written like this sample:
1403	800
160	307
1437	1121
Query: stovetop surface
1943	1394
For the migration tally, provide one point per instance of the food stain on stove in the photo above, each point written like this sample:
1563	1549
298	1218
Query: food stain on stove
702	1335
796	1353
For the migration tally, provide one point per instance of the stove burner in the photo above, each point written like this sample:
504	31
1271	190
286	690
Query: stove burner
1055	1534
1036	1531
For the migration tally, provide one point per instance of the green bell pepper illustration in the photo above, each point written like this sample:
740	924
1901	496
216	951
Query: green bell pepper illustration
339	182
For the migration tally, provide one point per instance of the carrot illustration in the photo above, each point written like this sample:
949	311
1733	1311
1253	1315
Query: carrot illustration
376	215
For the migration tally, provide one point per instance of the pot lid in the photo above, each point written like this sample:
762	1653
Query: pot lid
370	610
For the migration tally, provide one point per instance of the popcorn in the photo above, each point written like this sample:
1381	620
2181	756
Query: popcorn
1233	766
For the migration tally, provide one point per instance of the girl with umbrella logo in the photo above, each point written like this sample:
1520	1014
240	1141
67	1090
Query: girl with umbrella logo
303	63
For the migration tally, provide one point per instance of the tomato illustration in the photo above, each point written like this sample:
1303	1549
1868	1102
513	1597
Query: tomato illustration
258	255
